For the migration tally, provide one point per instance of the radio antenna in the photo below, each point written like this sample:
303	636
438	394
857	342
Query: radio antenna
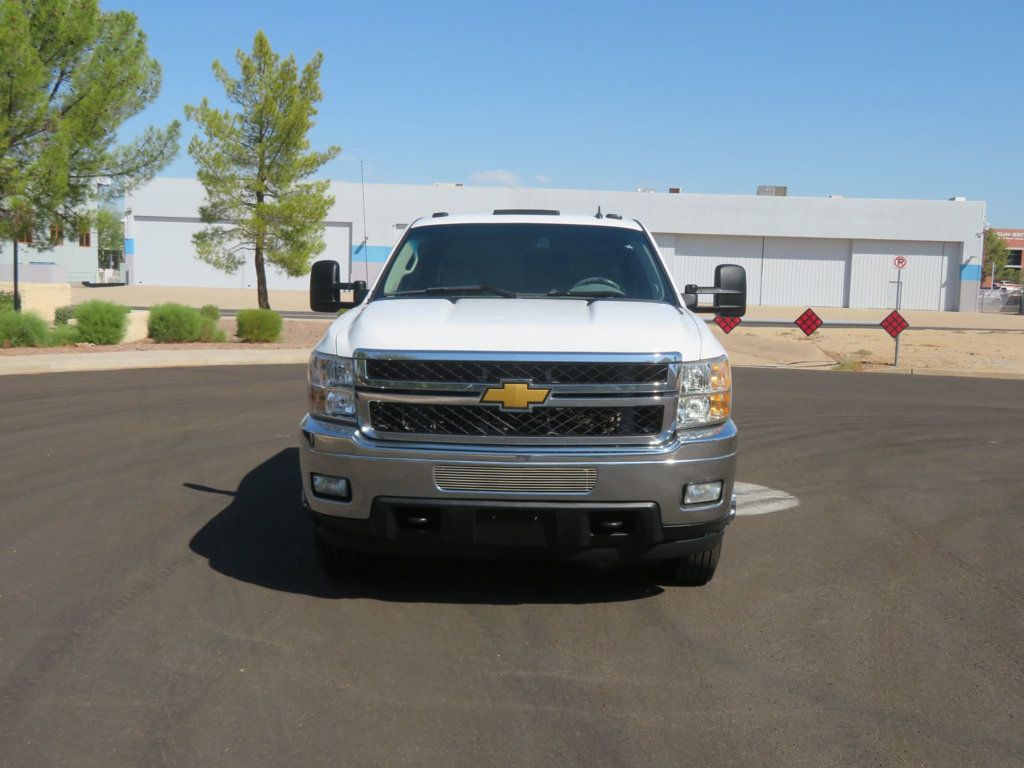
366	239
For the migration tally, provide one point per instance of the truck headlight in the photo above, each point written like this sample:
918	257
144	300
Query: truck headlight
332	391
705	393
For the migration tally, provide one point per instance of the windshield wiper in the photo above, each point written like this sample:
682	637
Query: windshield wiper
452	290
611	293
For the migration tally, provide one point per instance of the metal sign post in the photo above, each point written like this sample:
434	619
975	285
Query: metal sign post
900	262
899	296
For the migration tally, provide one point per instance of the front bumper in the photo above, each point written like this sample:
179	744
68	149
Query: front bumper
638	488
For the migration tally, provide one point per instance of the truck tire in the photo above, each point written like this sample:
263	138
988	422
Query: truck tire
337	561
694	570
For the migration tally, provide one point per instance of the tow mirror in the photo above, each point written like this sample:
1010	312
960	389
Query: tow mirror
326	288
729	291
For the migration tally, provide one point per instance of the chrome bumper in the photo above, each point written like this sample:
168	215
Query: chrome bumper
655	474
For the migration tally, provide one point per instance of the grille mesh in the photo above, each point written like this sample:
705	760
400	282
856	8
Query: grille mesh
481	421
522	479
490	372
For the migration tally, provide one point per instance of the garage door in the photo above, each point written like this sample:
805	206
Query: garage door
805	271
693	258
930	280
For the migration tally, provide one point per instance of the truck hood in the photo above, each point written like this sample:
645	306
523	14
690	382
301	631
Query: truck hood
520	325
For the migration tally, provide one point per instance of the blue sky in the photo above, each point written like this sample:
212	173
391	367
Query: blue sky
867	99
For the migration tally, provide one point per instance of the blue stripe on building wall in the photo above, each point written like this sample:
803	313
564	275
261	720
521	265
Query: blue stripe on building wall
129	245
374	254
970	272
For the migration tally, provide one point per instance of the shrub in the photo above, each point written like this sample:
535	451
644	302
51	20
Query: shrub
64	336
6	300
212	332
210	311
174	322
22	329
101	322
61	315
260	325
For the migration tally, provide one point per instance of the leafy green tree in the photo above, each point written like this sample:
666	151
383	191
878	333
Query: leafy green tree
254	164
995	255
109	235
70	76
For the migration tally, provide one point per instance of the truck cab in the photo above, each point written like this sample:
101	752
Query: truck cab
521	384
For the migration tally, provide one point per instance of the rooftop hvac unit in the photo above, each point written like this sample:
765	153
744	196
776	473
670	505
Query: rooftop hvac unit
766	191
644	189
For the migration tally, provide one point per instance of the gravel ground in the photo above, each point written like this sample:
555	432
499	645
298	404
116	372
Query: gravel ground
297	334
996	351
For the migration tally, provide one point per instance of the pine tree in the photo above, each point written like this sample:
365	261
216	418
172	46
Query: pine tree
254	164
70	76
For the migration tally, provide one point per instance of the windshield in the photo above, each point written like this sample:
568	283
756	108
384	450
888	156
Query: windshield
525	260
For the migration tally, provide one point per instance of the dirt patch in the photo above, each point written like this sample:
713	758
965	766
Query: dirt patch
868	349
295	334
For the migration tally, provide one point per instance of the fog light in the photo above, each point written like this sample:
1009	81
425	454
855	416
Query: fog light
332	487
702	493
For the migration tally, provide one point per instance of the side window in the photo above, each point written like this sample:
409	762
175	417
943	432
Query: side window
404	266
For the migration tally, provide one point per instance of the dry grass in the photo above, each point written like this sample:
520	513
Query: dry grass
849	364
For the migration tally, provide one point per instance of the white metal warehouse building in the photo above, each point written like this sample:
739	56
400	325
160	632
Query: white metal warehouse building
798	251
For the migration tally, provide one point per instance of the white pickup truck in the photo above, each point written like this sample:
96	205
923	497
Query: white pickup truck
521	384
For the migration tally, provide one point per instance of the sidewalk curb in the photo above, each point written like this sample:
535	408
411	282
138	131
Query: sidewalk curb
133	360
948	372
115	361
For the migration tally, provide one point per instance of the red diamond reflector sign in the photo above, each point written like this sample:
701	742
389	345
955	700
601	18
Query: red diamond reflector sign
727	323
809	322
894	324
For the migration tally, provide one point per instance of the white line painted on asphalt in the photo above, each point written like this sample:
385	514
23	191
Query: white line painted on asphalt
760	499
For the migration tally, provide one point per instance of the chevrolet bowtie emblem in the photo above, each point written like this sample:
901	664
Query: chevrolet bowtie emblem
515	396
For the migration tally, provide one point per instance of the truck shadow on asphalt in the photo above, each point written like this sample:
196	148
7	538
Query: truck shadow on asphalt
262	537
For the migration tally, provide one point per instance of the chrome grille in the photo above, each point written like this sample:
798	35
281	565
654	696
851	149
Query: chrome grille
481	421
515	479
490	371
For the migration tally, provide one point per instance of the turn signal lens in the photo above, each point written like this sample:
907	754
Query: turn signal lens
705	393
331	387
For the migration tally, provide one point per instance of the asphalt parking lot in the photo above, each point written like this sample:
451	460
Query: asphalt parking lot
160	604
